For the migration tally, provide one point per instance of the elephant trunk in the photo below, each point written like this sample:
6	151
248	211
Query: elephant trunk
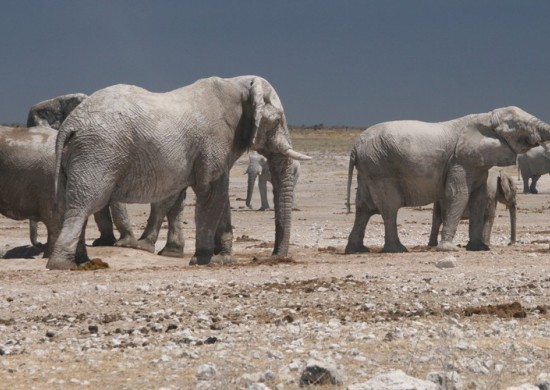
283	180
513	224
250	190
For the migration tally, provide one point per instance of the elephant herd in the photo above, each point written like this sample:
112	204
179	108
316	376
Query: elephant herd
82	155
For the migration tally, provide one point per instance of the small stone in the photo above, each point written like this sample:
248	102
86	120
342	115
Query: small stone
171	327
447	262
450	380
257	386
206	372
93	329
50	334
211	340
543	381
317	373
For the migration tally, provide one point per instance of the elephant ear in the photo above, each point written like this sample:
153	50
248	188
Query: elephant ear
258	105
479	145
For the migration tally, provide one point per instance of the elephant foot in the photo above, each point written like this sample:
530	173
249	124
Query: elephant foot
353	248
432	242
479	246
145	245
172	251
394	248
533	191
104	240
127	242
63	263
263	208
220	259
446	246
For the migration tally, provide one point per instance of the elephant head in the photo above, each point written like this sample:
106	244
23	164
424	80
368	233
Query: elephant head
521	130
271	137
52	112
495	138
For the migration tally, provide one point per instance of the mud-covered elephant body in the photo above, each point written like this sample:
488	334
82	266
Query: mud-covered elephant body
532	165
130	145
27	167
500	189
258	167
413	163
53	112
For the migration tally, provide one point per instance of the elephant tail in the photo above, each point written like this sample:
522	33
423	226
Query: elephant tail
352	158
62	138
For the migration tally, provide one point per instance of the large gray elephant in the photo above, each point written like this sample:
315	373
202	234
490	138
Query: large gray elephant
27	162
412	163
532	165
259	168
52	112
500	189
127	144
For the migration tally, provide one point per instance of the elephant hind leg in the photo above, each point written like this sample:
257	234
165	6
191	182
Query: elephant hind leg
363	212
105	225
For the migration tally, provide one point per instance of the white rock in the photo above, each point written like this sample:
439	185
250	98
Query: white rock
447	262
394	380
206	372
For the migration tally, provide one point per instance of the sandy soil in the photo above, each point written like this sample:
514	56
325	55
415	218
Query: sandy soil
150	322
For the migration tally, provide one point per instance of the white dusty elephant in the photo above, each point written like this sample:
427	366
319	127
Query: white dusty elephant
258	168
129	145
412	163
52	112
500	188
532	165
27	167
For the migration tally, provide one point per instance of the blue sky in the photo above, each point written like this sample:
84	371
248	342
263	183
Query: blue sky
351	63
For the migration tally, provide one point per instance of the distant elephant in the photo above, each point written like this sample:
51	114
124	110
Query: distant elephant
127	144
258	167
27	162
412	163
500	188
53	112
532	165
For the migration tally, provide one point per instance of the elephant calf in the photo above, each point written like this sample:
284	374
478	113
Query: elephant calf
258	167
500	188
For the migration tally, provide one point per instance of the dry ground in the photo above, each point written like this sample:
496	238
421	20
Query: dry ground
150	322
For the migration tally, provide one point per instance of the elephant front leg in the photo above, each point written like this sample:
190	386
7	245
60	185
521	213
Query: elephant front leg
210	207
456	199
175	241
223	240
533	186
478	223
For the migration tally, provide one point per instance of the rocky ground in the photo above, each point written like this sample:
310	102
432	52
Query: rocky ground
149	322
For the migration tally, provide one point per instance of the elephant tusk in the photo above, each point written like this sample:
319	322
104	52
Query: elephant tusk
295	155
